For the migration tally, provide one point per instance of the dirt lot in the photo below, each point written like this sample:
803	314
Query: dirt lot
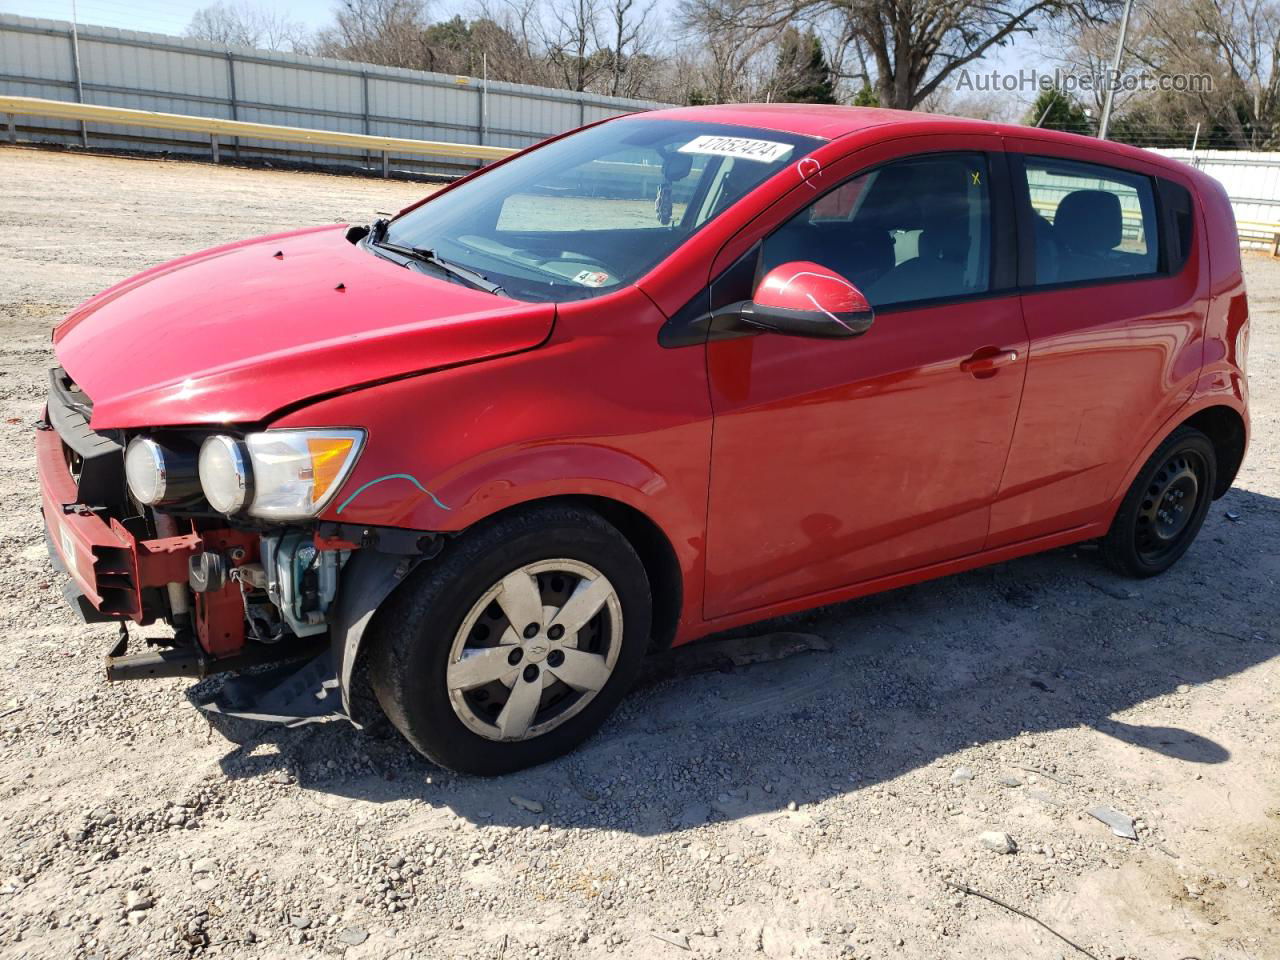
812	807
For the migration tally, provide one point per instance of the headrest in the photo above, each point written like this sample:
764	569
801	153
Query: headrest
1088	221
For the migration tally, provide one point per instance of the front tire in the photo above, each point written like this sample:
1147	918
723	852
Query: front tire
515	644
1165	508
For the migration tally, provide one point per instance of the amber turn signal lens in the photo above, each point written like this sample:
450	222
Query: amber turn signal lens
328	456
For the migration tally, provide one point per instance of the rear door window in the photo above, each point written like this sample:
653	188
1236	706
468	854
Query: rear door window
1090	222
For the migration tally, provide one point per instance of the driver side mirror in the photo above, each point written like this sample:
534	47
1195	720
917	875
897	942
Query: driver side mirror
806	299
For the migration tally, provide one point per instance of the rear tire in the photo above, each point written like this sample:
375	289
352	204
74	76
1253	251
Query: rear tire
1165	507
510	705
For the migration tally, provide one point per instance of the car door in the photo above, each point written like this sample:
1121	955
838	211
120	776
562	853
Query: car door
839	461
1114	301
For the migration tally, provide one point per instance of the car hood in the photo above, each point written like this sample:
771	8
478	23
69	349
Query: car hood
239	332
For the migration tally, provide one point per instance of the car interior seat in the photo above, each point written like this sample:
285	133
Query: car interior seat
938	269
1088	227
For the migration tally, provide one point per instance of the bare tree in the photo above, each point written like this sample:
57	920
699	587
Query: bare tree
630	60
1226	51
571	37
242	25
1088	51
912	46
850	59
507	32
387	32
1237	44
734	55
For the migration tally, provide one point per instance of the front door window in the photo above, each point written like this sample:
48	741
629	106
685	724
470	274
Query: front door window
918	229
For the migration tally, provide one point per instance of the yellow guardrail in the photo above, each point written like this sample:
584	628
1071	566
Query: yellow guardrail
1260	226
1259	231
1250	231
216	127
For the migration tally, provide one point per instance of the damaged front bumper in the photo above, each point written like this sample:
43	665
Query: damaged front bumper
118	576
237	596
117	572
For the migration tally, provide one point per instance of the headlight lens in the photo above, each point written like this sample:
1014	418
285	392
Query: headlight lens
224	474
278	474
159	475
144	468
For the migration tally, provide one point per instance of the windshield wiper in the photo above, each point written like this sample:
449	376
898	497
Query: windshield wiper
423	255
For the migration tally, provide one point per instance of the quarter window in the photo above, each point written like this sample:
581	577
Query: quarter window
1090	222
916	229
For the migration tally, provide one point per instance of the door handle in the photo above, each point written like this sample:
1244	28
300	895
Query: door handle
986	363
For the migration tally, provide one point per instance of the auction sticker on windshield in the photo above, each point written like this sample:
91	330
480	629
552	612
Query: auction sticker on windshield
765	151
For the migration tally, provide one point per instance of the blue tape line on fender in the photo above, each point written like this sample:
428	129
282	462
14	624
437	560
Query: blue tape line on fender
391	476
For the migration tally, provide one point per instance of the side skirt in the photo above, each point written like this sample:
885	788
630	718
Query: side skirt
893	581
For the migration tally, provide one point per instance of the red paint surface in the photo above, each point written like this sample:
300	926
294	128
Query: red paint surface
806	287
234	334
784	472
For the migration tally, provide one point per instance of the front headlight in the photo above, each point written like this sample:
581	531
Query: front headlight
278	474
224	474
159	475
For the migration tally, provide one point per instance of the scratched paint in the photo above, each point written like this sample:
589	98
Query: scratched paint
812	299
391	476
808	167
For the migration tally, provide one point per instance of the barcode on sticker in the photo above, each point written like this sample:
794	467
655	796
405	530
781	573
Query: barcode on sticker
765	151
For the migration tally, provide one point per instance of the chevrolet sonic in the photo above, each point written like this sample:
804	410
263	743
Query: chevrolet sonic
665	375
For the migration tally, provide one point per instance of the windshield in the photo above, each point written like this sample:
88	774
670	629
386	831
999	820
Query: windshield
587	214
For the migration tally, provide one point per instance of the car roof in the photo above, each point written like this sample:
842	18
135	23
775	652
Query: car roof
830	121
827	121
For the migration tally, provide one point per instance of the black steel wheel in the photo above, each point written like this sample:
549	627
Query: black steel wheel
1166	506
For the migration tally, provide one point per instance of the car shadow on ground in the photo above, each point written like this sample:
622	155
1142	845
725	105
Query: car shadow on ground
1030	646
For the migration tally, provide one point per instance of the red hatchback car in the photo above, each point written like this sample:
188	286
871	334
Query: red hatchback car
655	378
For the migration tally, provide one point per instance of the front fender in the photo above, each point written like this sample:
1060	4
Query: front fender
455	499
600	410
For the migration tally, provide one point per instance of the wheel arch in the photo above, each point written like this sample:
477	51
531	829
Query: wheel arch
647	538
1227	426
369	583
1226	429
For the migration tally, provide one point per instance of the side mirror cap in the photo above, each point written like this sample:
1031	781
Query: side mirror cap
806	299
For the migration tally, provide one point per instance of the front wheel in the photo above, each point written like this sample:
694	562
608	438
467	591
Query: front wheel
1166	506
515	644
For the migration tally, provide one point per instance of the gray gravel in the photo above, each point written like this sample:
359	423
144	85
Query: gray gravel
810	807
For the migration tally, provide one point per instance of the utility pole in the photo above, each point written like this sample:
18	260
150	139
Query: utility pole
1114	76
75	63
1053	95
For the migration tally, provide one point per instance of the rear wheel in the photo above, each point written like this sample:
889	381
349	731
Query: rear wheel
516	643
1165	508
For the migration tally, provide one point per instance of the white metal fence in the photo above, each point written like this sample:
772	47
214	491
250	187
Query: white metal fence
1252	181
146	71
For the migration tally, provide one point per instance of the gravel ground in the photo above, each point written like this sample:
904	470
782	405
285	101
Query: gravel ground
812	807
